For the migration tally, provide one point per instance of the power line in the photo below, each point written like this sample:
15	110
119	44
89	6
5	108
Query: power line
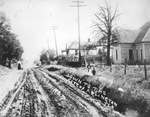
78	5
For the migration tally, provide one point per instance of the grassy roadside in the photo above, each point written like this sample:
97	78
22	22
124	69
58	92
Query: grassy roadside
134	98
137	93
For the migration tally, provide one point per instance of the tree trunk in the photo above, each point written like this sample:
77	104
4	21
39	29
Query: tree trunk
4	61
108	49
9	65
108	55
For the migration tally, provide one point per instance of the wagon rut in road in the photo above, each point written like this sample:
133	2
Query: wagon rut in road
65	104
36	95
28	100
71	94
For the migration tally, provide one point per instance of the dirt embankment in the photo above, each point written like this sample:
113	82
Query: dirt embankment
124	97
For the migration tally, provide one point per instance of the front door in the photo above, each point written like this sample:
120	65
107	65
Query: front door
130	54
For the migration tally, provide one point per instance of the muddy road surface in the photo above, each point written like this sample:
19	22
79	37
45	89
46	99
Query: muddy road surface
40	93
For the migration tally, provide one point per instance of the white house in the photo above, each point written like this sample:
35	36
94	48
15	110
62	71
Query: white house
134	45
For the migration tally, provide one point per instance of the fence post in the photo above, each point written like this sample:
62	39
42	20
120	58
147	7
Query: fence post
125	67
145	69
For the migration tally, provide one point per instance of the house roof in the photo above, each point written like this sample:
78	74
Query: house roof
88	44
146	25
147	37
73	46
144	33
127	36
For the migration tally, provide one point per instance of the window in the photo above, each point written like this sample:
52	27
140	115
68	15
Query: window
137	54
141	54
130	54
149	53
76	52
116	54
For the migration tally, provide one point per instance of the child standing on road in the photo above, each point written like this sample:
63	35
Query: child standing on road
88	67
93	71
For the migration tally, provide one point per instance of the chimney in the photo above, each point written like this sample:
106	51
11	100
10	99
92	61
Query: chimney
88	39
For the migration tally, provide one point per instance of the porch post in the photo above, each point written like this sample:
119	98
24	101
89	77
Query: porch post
144	51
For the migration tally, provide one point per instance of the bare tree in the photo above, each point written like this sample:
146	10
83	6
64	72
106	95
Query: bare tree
105	27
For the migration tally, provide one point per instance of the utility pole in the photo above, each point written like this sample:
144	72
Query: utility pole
78	5
53	28
48	51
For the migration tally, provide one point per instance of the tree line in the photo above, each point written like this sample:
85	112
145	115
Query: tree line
10	47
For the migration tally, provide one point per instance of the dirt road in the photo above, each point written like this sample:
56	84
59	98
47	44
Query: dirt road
39	93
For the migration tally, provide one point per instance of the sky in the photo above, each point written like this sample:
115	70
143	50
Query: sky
32	21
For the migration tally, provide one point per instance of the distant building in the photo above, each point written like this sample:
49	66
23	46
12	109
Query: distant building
134	45
72	49
89	48
86	49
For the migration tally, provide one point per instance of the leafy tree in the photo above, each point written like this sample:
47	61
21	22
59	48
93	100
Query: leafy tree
43	57
47	56
105	26
10	47
51	54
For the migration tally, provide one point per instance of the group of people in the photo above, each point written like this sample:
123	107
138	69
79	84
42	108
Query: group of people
91	69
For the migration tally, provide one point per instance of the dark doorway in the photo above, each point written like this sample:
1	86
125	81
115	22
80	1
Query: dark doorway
130	54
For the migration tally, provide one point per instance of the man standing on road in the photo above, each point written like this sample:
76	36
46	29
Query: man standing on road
19	65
